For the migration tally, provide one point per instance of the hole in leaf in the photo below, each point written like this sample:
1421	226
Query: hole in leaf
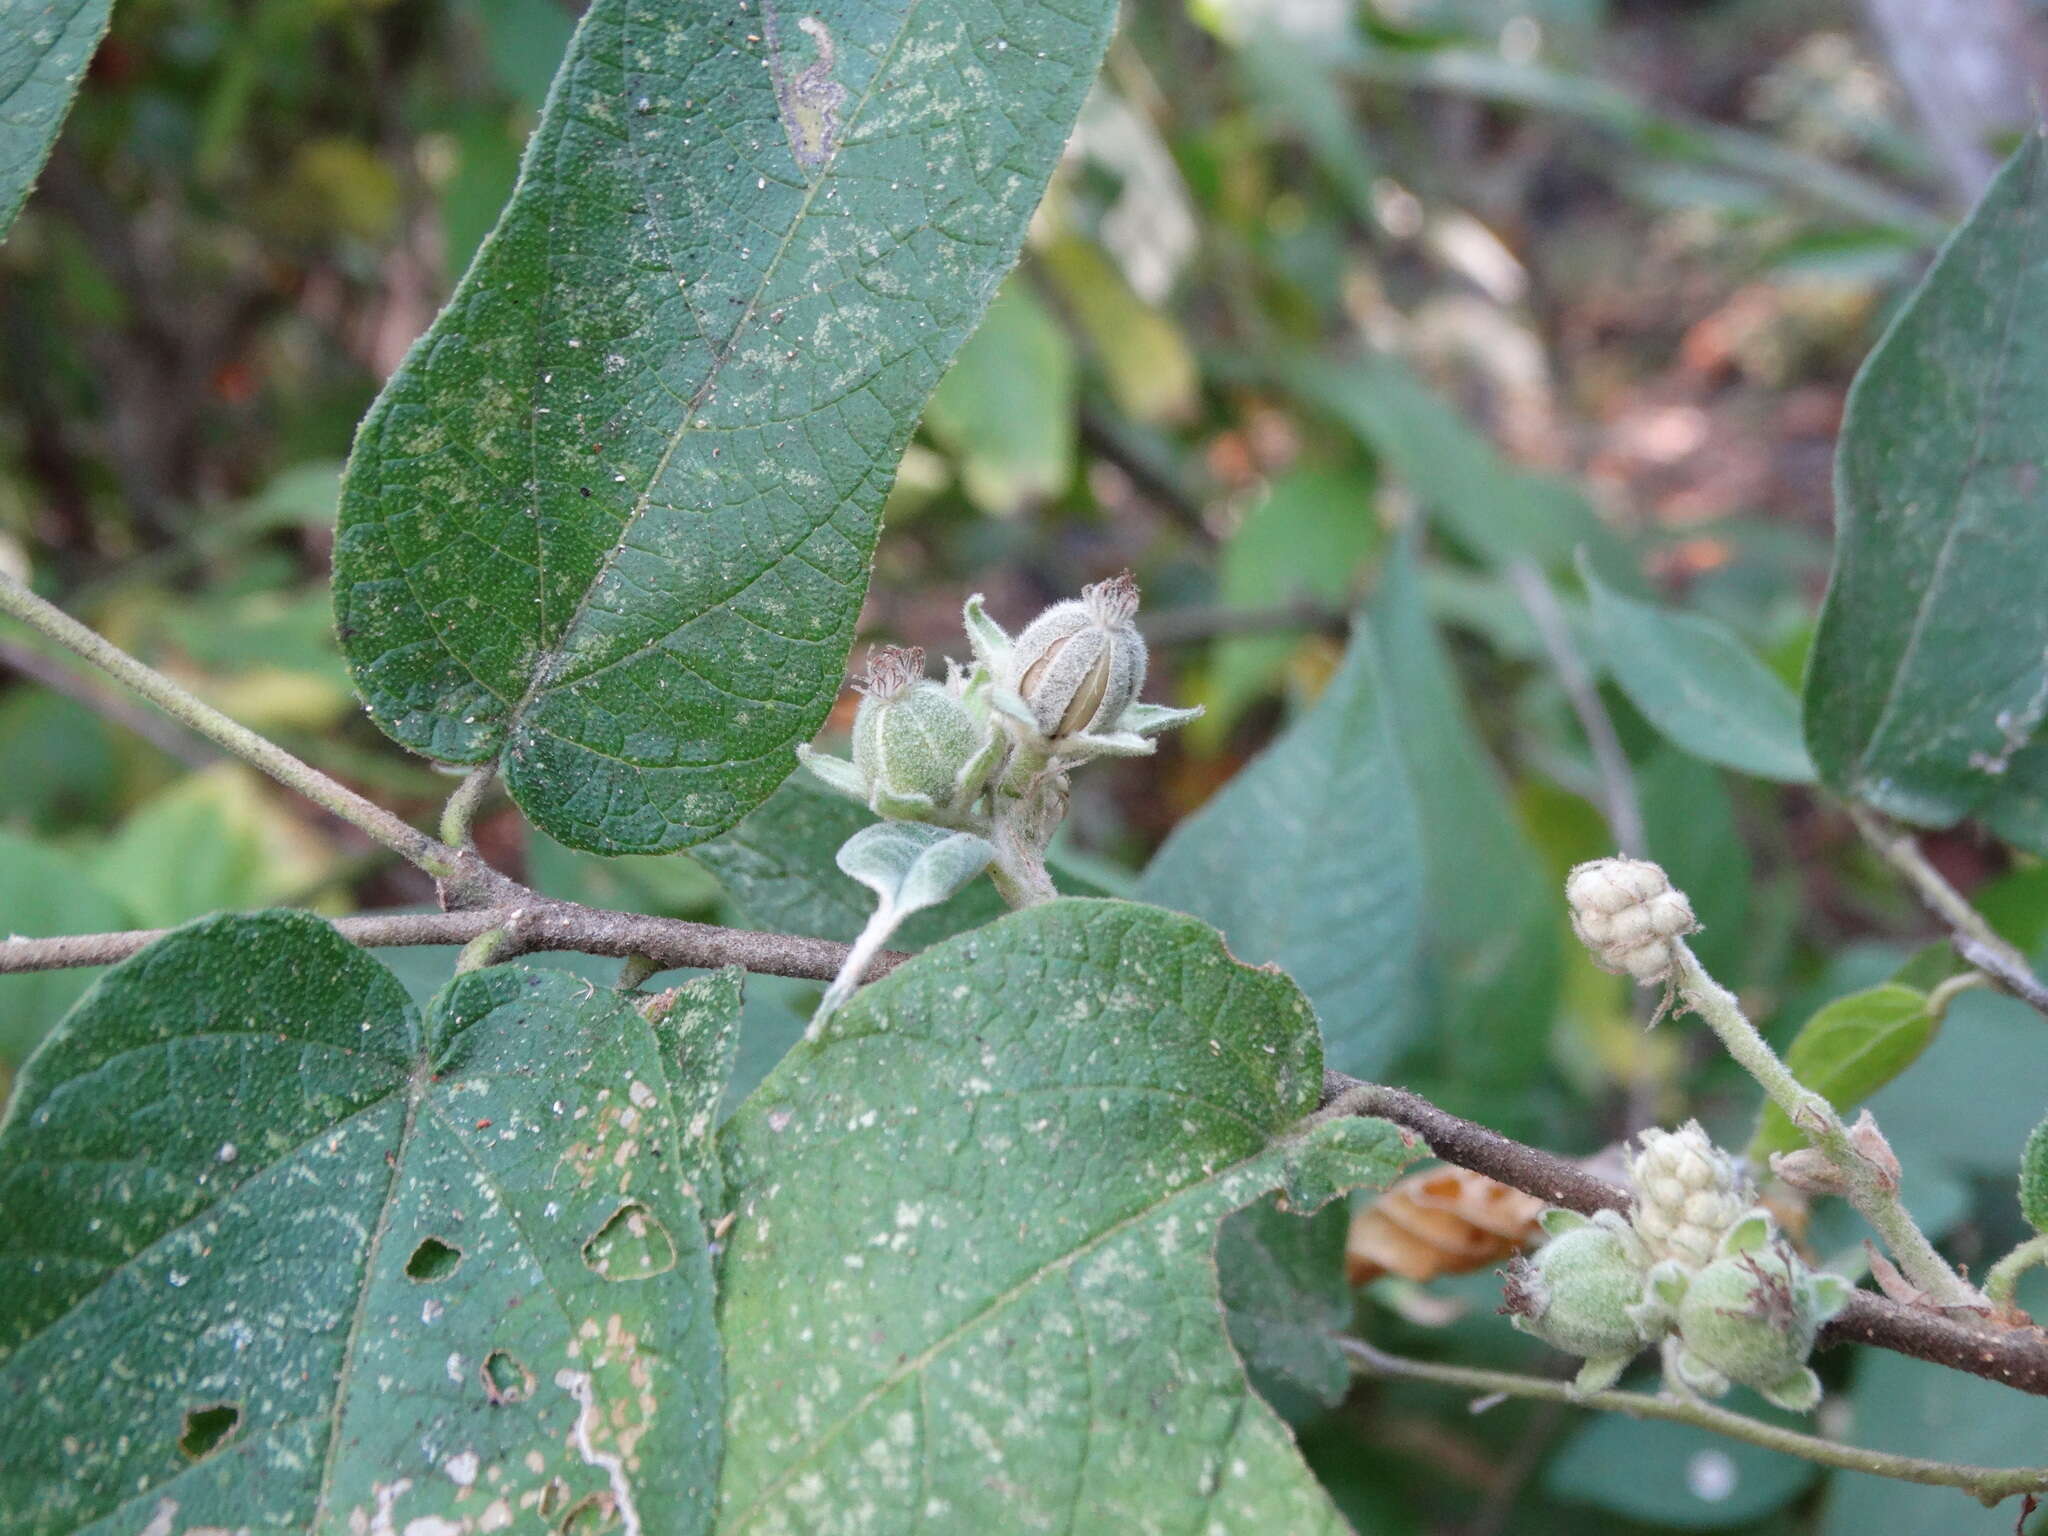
205	1428
433	1260
552	1493
591	1515
632	1245
505	1379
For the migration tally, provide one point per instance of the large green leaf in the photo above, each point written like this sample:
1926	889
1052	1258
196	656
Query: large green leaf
1311	858
610	523
44	48
1697	684
971	1282
1006	410
1674	1474
1915	700
1492	917
1848	1051
280	1253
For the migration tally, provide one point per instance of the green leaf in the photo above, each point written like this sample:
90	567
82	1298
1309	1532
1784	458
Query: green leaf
610	523
2017	810
1305	539
210	842
277	1246
971	1279
1006	410
1311	858
1690	827
1697	684
1286	1299
1493	916
1675	1474
44	893
1914	704
1498	511
2034	1178
1917	1409
1848	1051
44	48
911	867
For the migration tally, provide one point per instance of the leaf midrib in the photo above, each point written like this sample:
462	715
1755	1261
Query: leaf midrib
548	663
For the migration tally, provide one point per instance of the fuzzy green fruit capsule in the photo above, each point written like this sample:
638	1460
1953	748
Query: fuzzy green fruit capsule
1581	1291
1751	1317
912	739
1079	665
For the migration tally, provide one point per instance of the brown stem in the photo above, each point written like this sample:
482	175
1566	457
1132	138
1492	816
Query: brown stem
2018	1357
539	924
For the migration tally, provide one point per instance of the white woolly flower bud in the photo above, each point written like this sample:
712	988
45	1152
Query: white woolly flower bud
1629	917
1078	665
1688	1194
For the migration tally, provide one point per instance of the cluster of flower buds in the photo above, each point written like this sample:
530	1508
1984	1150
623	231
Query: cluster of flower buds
1063	691
1630	918
1695	1265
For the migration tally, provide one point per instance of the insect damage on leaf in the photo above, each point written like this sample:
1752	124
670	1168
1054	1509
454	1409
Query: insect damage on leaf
811	99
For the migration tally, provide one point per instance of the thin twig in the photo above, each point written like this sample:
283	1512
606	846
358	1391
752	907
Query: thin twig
1987	1484
532	925
1976	940
1623	806
464	874
2018	1357
165	735
1180	626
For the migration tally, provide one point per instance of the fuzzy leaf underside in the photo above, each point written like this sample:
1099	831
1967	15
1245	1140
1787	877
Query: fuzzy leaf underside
971	1284
610	524
280	1253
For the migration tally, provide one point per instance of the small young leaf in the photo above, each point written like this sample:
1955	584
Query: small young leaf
2034	1179
1914	704
1846	1052
976	1221
610	523
44	48
1311	859
910	866
373	1271
1697	684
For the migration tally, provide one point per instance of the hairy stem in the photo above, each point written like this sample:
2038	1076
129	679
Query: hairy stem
1874	1194
2003	1278
463	874
1975	939
1987	1484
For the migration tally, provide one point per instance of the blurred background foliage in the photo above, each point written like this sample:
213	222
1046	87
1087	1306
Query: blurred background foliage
1397	303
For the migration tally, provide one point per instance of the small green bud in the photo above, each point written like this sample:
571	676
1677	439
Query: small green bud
914	740
2034	1179
1579	1292
1751	1317
1078	665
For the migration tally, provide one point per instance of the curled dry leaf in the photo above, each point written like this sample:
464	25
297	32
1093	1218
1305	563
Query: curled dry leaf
1441	1221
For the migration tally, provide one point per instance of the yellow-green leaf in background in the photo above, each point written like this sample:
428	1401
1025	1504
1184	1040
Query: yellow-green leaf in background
1006	411
1848	1051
